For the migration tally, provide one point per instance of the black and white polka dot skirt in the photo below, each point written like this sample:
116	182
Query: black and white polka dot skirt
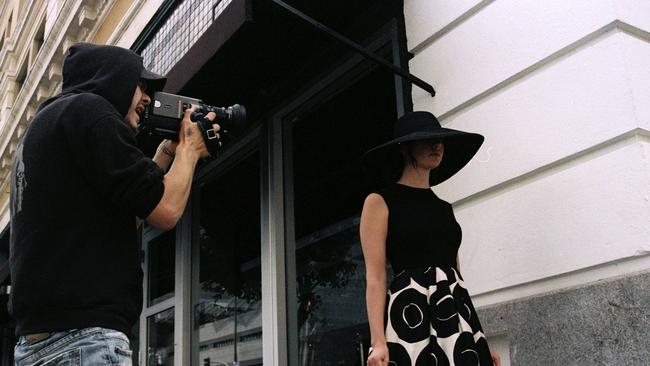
430	320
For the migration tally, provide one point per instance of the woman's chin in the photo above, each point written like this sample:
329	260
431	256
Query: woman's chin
433	163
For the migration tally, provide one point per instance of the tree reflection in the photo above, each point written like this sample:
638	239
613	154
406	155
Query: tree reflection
231	288
322	262
329	285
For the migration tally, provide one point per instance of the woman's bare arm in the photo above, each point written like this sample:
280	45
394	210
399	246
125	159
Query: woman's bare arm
373	230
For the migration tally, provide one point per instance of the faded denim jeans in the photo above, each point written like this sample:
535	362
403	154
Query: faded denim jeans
77	347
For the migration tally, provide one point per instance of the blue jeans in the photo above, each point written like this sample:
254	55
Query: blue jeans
77	347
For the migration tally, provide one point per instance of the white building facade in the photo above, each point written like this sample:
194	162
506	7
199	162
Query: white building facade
555	205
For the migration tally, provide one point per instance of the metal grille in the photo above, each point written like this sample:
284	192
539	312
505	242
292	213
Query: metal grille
180	31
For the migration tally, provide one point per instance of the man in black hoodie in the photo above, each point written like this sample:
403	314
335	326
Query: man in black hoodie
78	184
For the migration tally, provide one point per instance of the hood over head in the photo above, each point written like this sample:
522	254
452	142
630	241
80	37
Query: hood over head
108	71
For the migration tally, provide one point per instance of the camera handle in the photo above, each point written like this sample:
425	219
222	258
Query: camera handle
209	134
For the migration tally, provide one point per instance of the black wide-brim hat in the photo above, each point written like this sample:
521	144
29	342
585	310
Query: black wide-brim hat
385	163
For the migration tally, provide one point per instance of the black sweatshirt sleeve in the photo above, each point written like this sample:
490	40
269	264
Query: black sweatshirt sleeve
109	158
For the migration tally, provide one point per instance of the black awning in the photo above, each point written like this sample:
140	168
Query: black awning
356	47
228	24
241	11
258	53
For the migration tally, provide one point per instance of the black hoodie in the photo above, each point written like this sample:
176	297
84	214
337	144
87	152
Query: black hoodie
78	182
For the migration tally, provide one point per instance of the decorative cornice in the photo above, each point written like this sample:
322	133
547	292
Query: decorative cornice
12	45
127	20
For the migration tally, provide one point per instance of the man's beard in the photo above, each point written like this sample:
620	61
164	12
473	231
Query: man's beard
128	123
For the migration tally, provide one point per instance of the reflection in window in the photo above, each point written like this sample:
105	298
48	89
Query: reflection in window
331	305
228	312
162	267
160	337
329	188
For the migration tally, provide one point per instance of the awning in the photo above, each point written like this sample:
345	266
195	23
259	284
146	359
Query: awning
256	46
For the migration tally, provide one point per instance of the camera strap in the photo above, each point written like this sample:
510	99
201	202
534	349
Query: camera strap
210	136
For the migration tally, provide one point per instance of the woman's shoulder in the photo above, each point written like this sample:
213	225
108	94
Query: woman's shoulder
375	199
374	205
383	193
379	197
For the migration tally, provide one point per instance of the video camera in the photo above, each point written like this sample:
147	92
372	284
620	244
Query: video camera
164	114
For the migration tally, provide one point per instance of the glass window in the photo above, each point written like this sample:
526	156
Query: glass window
228	310
162	257
160	337
328	193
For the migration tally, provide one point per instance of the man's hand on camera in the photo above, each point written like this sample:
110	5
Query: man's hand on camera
189	135
178	180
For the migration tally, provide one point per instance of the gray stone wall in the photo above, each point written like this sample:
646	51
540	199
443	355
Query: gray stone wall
602	323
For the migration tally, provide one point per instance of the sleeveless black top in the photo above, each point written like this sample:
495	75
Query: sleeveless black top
422	229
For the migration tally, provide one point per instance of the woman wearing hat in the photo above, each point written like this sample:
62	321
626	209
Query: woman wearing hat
428	317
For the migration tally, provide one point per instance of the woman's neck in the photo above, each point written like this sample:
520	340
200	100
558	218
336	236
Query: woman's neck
415	177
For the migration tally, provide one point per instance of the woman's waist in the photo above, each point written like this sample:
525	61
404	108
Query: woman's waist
423	268
432	274
422	263
431	256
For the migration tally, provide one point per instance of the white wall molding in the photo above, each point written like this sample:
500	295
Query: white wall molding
632	30
604	147
580	278
451	26
586	213
586	41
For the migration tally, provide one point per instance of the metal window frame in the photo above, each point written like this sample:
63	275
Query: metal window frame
274	307
149	234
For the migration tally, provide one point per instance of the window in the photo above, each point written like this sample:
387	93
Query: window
22	75
228	299
37	43
162	267
160	338
9	26
328	193
156	329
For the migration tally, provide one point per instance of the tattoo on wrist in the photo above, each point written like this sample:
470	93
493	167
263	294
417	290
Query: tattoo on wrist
168	152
